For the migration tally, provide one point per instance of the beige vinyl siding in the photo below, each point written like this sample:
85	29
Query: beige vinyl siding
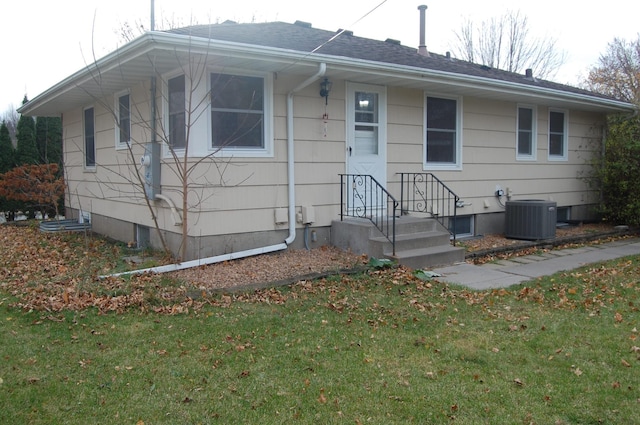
245	197
488	139
405	116
107	189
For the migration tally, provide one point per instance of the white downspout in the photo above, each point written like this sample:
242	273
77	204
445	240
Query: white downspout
292	204
291	180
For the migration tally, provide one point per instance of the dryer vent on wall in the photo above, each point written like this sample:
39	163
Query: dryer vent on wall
531	219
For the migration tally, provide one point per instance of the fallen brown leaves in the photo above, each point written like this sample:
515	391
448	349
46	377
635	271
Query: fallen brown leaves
58	272
55	272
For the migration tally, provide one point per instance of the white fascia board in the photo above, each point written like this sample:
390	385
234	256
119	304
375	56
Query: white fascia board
135	48
162	41
478	83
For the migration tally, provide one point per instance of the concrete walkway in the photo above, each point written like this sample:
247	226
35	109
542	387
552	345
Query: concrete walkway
505	273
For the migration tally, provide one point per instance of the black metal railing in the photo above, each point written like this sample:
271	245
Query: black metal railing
425	193
362	196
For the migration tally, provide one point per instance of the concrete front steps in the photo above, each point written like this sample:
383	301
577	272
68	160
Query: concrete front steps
420	242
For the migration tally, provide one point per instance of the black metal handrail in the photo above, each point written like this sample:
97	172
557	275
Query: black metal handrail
362	196
425	193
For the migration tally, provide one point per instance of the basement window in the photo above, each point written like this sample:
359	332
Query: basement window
143	236
563	214
463	226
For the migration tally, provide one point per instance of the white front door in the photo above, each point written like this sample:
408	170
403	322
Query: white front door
367	146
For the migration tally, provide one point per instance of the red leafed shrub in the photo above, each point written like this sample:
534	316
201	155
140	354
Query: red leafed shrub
37	185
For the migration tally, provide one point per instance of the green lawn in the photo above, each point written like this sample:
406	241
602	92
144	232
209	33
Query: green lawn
379	348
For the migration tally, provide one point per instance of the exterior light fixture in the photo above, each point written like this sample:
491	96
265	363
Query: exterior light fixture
325	88
363	101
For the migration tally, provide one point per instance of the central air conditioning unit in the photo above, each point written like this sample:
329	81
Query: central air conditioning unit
532	219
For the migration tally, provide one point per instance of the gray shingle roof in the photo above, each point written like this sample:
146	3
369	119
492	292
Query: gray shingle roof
303	37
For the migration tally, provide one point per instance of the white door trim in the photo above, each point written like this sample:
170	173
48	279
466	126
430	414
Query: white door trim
366	142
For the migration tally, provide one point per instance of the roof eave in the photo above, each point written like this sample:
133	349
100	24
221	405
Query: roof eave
163	41
543	94
135	48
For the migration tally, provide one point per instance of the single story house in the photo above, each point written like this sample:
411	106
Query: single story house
276	131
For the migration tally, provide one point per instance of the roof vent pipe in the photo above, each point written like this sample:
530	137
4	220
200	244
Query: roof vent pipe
422	48
152	24
528	73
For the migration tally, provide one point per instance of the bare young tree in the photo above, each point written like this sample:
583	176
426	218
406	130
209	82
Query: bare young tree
617	72
127	31
11	117
195	175
505	42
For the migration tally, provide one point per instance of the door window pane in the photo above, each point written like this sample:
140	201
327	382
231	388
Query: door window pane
366	123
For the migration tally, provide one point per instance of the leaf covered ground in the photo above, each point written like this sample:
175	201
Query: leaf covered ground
59	271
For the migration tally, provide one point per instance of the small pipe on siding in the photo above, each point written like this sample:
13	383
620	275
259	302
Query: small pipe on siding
177	219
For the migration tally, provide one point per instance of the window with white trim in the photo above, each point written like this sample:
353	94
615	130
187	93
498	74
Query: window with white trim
462	226
558	135
88	123
442	138
526	145
123	123
239	113
176	99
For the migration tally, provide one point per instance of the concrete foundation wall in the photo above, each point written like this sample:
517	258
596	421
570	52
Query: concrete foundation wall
207	246
487	224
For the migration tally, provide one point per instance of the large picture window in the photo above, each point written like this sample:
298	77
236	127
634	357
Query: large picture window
558	137
526	135
89	138
442	136
237	112
177	112
123	125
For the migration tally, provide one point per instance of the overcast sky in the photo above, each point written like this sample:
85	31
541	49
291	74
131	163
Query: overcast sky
45	41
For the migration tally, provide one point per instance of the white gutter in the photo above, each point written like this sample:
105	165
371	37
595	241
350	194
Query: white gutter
292	204
175	43
291	177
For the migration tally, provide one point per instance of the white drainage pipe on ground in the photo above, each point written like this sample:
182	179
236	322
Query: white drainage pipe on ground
202	261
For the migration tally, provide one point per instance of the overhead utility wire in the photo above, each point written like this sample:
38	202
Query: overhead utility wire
343	30
338	34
